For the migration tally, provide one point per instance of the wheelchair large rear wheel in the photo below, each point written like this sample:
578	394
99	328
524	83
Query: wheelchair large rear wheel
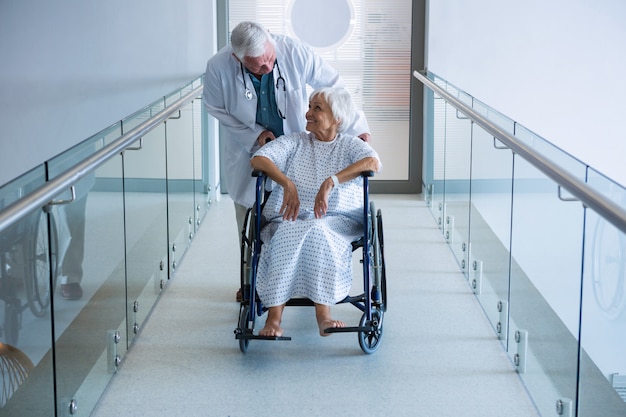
12	322
42	263
247	241
382	271
379	289
246	326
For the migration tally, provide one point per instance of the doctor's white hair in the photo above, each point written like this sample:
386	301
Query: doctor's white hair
340	103
249	39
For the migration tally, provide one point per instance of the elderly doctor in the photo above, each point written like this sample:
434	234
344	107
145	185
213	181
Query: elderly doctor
256	88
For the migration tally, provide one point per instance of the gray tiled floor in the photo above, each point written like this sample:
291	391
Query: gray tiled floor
439	356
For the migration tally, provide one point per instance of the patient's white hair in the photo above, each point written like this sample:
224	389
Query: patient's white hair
249	39
340	103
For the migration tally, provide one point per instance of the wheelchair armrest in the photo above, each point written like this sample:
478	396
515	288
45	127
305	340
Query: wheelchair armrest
259	173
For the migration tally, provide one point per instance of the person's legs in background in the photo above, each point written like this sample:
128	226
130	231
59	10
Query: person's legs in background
72	267
240	215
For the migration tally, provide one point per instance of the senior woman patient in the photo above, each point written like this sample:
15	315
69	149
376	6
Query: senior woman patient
314	212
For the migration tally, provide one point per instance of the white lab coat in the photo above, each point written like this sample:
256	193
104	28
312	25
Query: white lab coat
224	98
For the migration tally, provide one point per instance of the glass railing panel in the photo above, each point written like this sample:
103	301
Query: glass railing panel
141	115
90	299
490	227
608	188
172	97
27	385
85	241
437	80
427	186
182	91
200	158
458	131
437	145
451	89
180	179
547	303
447	185
109	176
548	150
465	98
197	82
495	117
602	386
546	251
145	188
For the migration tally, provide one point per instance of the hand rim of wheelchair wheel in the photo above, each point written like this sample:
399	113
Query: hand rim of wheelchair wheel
381	247
243	327
42	263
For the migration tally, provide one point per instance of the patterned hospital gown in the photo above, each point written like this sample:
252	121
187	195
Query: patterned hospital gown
311	257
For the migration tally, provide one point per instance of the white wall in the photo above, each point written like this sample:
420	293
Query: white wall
557	67
70	68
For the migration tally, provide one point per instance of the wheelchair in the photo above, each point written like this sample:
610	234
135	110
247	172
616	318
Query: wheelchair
372	301
28	262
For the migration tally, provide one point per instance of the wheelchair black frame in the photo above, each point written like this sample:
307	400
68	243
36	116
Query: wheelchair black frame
369	325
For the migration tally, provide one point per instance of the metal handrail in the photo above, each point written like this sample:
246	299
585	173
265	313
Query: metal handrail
43	196
609	210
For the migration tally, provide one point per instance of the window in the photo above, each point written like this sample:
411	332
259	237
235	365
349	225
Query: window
369	43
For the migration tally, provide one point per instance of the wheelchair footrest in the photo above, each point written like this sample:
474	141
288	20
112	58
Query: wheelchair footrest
300	302
251	336
365	329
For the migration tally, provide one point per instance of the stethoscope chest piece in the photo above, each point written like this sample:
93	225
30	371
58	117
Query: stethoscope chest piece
247	93
280	85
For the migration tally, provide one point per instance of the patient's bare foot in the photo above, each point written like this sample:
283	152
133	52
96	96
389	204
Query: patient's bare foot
271	328
272	324
326	324
324	320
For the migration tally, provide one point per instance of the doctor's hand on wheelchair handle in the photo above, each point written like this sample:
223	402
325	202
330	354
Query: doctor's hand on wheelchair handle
265	137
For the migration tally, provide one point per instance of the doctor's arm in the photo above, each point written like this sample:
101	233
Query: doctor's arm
212	98
366	137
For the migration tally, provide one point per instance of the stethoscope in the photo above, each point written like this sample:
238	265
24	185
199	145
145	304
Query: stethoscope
280	84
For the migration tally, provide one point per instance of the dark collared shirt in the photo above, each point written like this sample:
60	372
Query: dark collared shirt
266	110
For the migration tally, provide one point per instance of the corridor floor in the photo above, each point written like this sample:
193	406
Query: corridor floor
438	357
